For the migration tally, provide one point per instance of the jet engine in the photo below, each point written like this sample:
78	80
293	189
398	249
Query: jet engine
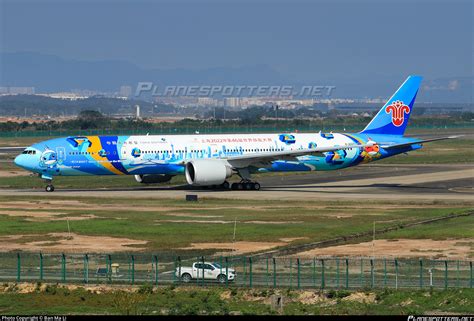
153	178
205	172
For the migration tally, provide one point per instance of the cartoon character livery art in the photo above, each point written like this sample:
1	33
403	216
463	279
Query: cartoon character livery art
210	160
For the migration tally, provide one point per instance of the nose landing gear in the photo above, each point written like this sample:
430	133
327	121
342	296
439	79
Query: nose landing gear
49	180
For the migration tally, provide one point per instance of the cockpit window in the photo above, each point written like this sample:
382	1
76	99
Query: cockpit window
29	152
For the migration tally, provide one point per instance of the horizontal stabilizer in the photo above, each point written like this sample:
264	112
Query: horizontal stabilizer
394	146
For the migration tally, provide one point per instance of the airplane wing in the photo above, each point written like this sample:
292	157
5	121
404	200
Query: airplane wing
265	159
11	150
394	146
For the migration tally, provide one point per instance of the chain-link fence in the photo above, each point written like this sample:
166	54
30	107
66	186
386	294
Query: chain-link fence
291	272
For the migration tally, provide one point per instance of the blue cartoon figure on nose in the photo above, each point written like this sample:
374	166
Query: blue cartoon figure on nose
48	159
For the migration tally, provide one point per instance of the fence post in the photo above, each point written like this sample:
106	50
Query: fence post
227	272
470	268
155	258
266	276
421	273
86	268
129	271
457	273
220	265
41	266
133	269
63	267
347	273
314	272
176	278
385	272
298	272
109	267
322	274
245	270
291	272
337	272
274	273
250	272
18	267
396	274
202	258
179	268
372	276
445	274
361	276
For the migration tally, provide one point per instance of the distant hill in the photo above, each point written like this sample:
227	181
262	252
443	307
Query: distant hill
18	105
49	73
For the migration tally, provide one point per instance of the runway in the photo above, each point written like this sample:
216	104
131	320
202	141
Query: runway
437	182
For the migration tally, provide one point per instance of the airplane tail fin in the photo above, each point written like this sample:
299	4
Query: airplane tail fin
393	117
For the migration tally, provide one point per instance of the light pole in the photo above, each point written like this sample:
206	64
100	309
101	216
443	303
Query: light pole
373	237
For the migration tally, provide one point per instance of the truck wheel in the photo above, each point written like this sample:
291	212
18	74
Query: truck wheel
221	278
186	278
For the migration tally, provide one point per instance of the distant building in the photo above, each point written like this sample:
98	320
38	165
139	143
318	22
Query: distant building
207	101
138	111
125	91
232	102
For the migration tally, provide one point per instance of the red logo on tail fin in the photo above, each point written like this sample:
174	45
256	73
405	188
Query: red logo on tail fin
398	110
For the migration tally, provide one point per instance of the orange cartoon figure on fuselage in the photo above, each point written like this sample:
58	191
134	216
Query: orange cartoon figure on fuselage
370	153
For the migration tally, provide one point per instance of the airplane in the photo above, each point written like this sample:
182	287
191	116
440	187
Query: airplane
209	160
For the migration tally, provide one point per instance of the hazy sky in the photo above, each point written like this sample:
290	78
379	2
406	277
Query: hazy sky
301	39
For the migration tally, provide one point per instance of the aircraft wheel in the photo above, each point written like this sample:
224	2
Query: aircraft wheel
256	186
225	185
240	186
49	188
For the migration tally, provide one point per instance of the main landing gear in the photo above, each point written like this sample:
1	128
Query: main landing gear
245	185
49	188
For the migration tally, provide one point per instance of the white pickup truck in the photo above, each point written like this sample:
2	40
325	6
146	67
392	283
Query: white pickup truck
212	271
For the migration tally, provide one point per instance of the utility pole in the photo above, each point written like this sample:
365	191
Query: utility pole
235	228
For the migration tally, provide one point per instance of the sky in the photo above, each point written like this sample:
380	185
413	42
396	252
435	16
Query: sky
301	39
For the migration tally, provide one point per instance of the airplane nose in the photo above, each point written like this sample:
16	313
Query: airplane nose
26	160
20	161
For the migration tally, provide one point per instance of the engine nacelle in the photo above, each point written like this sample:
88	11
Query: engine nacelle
153	178
205	172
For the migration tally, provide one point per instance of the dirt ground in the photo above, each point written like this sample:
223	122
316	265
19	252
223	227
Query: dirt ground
51	204
13	173
60	242
46	215
238	248
451	249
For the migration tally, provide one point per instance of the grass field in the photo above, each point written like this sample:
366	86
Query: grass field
52	299
212	220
